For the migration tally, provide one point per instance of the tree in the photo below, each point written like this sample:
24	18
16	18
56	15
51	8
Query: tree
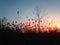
4	21
40	14
0	22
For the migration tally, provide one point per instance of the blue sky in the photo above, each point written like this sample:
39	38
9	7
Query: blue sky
8	8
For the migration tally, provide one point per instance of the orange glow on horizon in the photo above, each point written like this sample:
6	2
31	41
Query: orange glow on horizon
58	25
32	25
51	24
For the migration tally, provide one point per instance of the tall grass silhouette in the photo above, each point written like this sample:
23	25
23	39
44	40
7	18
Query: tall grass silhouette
32	25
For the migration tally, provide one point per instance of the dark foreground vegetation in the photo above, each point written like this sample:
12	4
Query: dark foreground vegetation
9	37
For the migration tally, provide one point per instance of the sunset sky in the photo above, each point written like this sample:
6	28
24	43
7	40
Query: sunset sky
9	8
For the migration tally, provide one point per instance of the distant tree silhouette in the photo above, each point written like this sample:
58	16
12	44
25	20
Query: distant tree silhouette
38	15
4	21
0	23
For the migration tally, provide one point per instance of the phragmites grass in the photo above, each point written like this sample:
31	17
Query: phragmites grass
31	24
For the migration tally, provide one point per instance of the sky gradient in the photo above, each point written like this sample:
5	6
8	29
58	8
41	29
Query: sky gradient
9	8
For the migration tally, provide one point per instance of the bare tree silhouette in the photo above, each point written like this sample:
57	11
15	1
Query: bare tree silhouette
0	23
40	16
38	13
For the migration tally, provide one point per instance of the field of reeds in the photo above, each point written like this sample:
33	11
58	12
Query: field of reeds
27	33
33	31
32	25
